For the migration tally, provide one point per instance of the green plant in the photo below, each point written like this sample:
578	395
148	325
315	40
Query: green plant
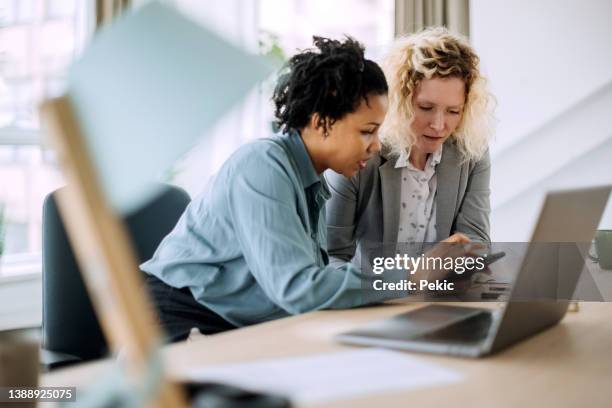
270	48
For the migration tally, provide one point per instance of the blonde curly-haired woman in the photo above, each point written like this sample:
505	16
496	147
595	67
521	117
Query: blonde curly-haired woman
430	181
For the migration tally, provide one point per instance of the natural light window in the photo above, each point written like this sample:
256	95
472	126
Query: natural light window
38	39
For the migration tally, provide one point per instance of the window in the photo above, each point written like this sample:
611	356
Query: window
38	39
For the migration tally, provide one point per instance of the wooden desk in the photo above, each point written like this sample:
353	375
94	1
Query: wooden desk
569	365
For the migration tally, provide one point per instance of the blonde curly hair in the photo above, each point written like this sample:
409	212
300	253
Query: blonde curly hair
436	53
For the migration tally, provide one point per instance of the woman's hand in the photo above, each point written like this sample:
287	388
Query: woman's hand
457	245
457	238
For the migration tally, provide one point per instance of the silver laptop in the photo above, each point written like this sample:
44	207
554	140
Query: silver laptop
566	217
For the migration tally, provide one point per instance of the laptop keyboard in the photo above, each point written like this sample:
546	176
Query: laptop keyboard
471	330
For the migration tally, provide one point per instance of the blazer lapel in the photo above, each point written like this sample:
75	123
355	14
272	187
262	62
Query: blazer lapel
391	190
447	174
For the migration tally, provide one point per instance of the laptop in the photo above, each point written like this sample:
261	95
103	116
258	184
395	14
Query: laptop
566	217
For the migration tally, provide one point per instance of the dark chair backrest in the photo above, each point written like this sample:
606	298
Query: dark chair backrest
69	321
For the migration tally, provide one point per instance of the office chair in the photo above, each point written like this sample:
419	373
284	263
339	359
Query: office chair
70	331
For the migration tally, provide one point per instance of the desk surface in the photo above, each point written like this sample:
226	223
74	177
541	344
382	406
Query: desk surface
568	365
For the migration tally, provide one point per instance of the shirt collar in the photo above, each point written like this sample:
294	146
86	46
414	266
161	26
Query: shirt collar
306	171
432	160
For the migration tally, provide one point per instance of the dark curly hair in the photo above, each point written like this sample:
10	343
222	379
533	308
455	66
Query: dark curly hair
330	80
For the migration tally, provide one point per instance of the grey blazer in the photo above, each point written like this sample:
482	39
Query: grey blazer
365	208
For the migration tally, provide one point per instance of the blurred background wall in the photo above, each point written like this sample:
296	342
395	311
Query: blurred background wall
550	67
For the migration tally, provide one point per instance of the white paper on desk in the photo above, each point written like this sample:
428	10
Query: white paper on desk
325	377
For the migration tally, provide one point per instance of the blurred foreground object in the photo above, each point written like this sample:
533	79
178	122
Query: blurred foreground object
148	86
18	362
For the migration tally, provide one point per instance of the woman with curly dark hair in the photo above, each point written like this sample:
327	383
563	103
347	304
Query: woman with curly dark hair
253	248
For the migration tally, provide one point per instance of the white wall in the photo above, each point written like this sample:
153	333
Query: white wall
513	220
541	56
550	66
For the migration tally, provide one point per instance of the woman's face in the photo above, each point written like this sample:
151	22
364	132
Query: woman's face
353	139
438	108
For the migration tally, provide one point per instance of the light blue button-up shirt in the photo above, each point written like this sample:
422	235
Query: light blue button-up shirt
253	247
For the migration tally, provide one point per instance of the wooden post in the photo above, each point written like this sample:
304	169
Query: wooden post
104	251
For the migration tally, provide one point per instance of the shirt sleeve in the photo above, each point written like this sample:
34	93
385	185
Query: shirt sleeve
263	202
341	213
473	216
